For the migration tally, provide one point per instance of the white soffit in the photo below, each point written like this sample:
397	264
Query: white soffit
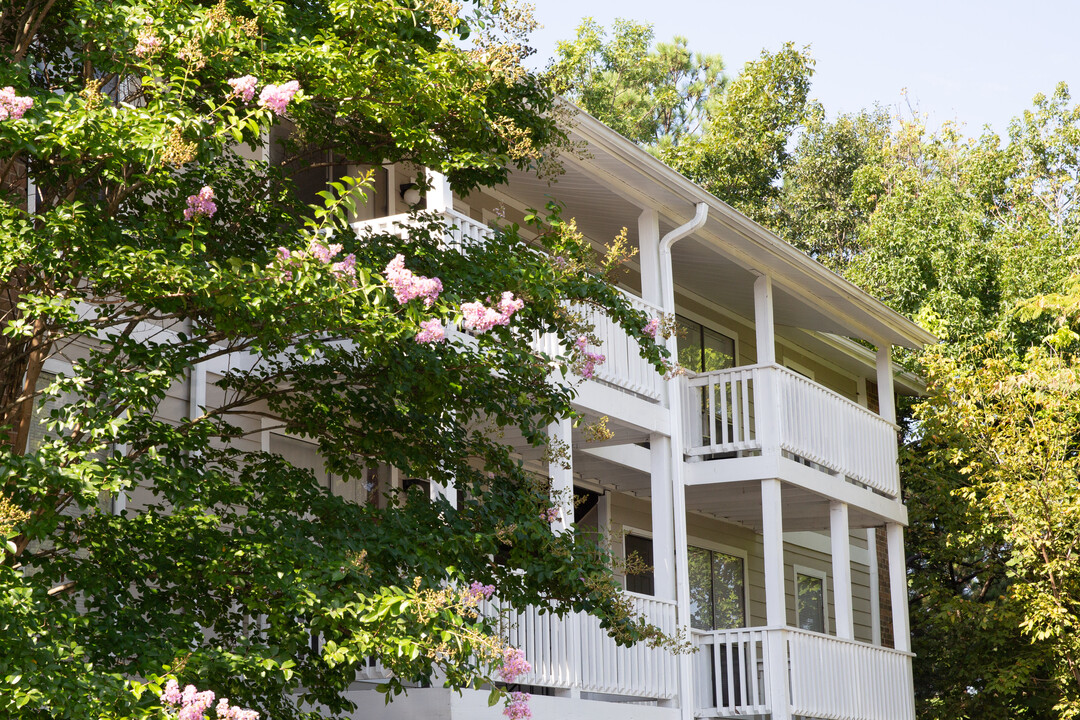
606	190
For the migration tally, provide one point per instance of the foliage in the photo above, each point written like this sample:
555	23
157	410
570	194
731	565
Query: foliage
822	209
1008	424
653	96
153	246
743	151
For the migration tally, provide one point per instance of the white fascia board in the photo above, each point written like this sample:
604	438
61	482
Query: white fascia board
787	256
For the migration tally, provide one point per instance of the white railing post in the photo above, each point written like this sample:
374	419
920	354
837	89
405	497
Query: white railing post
663	518
894	534
886	399
561	472
649	255
841	564
439	198
772	531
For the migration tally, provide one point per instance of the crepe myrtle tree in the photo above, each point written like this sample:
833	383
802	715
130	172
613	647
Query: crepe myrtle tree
139	242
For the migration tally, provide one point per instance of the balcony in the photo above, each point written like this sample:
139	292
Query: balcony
742	411
624	367
826	677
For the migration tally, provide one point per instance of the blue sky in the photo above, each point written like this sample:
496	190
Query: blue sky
976	62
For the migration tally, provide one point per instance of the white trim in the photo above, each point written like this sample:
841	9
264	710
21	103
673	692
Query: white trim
822	575
742	554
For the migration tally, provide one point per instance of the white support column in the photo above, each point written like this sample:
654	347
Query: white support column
875	587
439	198
663	518
886	400
894	533
649	256
197	391
764	327
841	566
772	531
448	492
561	472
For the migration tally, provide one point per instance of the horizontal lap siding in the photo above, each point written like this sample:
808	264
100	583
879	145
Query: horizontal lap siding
633	512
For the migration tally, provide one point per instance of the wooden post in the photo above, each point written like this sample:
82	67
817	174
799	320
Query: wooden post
764	327
561	472
439	198
841	565
649	255
663	518
894	533
886	400
772	531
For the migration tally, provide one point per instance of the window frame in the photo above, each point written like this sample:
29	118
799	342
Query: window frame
822	575
715	327
742	554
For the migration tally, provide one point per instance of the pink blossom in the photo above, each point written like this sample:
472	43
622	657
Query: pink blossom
651	328
194	704
407	286
518	707
514	665
149	43
244	87
476	592
550	515
509	305
346	268
586	365
480	318
431	332
172	692
277	97
322	252
201	204
12	105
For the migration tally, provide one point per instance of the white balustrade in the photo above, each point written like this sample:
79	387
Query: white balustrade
813	423
575	652
846	680
827	677
461	231
640	670
719	415
623	366
730	671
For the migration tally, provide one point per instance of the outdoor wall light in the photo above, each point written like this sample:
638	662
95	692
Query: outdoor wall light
410	193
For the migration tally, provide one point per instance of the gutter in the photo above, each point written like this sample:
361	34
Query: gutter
678	490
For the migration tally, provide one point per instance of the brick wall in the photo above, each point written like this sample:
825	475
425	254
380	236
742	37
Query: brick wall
884	597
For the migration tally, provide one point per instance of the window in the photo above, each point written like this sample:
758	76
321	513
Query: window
810	603
717	590
641	583
702	349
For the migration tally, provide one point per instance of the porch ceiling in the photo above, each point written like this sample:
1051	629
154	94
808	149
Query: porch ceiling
606	192
740	503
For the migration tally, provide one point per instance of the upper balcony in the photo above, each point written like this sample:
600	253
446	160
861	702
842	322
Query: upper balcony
751	410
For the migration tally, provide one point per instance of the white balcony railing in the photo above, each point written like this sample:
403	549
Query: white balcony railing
726	414
573	652
826	677
623	368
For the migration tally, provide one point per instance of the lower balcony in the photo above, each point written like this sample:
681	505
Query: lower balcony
736	674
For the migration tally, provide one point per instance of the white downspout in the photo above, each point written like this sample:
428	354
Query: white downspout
678	492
